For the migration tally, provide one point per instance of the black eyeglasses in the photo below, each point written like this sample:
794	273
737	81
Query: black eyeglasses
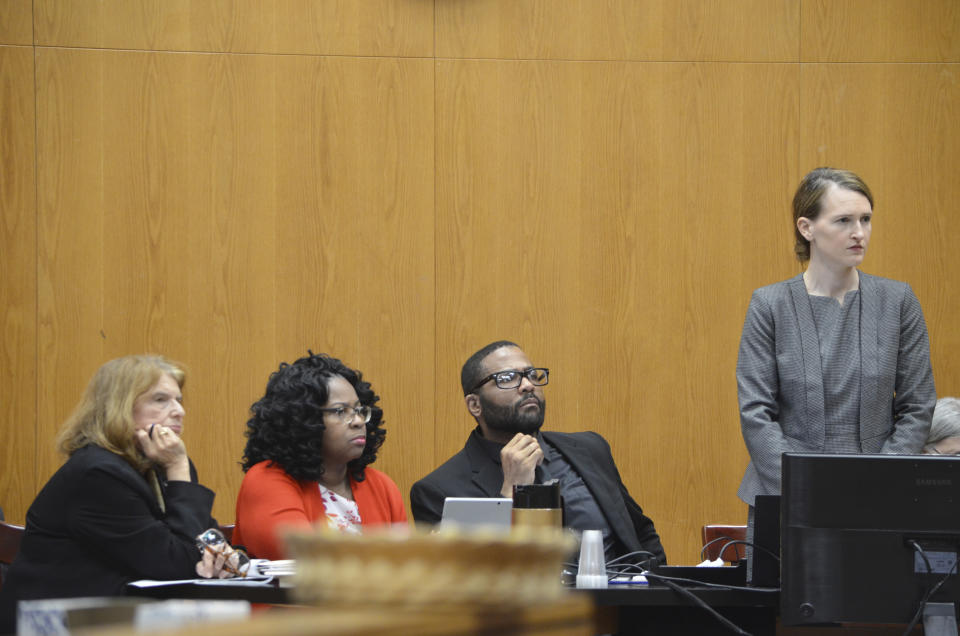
512	378
347	413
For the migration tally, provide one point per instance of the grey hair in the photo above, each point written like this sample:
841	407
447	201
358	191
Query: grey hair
946	421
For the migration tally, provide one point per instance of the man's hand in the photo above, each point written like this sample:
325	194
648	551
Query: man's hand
519	459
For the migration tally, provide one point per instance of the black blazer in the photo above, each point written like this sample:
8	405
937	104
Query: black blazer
472	473
96	526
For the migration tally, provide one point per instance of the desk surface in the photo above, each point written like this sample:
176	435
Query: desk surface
276	593
566	617
665	596
641	610
273	593
623	610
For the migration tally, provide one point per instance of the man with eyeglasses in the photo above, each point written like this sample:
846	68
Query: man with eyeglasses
503	392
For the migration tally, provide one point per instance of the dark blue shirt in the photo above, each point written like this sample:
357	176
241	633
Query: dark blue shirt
580	509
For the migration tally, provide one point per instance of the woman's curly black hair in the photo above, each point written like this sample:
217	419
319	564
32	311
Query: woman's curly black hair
286	425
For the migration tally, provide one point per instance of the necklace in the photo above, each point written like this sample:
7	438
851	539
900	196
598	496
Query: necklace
342	488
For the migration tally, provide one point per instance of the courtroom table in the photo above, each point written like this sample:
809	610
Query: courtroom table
572	615
275	593
555	619
621	609
660	610
654	609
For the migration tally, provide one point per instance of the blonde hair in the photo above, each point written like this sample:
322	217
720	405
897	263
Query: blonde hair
104	416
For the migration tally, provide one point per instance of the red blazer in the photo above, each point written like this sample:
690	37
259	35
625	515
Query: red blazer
270	499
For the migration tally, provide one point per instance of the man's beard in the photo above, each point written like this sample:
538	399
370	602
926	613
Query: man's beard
511	419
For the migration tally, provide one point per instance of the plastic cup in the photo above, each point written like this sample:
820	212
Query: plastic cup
592	572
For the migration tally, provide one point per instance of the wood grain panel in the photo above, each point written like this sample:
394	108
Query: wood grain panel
70	294
18	282
15	22
355	235
610	215
233	233
707	228
669	30
196	211
880	31
174	261
507	240
325	27
895	125
594	213
177	213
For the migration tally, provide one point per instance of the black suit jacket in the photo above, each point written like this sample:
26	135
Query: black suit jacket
472	473
96	526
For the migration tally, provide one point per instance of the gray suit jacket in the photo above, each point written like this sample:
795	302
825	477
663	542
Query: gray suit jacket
780	385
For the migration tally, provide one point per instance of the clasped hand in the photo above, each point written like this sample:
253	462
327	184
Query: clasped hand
164	448
519	460
220	563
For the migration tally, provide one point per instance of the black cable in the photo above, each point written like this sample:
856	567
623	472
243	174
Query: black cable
709	543
641	566
755	546
726	622
703	583
670	581
931	590
722	586
923	555
650	555
923	600
624	568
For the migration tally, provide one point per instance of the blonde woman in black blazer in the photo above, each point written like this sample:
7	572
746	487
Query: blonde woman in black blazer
126	505
832	360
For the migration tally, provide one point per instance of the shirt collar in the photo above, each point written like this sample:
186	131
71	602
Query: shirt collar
492	449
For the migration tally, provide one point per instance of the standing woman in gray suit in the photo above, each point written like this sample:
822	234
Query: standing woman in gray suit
832	360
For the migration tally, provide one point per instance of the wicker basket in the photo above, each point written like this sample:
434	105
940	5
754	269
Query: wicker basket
414	568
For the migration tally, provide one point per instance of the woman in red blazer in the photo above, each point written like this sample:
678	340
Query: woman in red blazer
310	441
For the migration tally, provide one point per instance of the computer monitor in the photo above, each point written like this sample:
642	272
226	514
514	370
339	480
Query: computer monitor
765	555
847	523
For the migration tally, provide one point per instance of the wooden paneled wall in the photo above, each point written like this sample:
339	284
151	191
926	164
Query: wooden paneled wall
399	182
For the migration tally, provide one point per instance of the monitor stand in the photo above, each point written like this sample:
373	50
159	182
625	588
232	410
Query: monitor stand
940	619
